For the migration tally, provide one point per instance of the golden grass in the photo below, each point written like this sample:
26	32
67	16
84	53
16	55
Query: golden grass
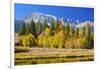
45	55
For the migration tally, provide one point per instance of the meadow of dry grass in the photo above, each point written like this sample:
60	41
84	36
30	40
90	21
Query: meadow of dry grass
45	55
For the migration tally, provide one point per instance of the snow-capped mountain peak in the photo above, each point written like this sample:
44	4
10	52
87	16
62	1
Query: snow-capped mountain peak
40	17
82	24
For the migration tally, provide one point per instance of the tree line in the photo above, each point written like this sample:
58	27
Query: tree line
55	35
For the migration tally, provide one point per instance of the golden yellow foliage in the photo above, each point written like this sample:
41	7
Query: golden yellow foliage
28	40
59	38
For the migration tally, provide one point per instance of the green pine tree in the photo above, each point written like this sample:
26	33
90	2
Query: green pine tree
71	31
52	25
44	25
32	28
67	29
38	27
89	37
87	32
76	32
22	30
57	26
28	30
83	31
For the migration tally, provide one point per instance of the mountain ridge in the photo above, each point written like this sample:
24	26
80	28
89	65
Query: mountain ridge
42	17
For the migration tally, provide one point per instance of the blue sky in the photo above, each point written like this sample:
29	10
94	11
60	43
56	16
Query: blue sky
75	13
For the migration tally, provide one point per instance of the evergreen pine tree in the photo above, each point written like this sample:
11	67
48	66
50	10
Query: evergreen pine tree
52	25
83	31
38	28
67	29
71	31
57	25
87	32
32	28
22	30
76	32
28	30
44	25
